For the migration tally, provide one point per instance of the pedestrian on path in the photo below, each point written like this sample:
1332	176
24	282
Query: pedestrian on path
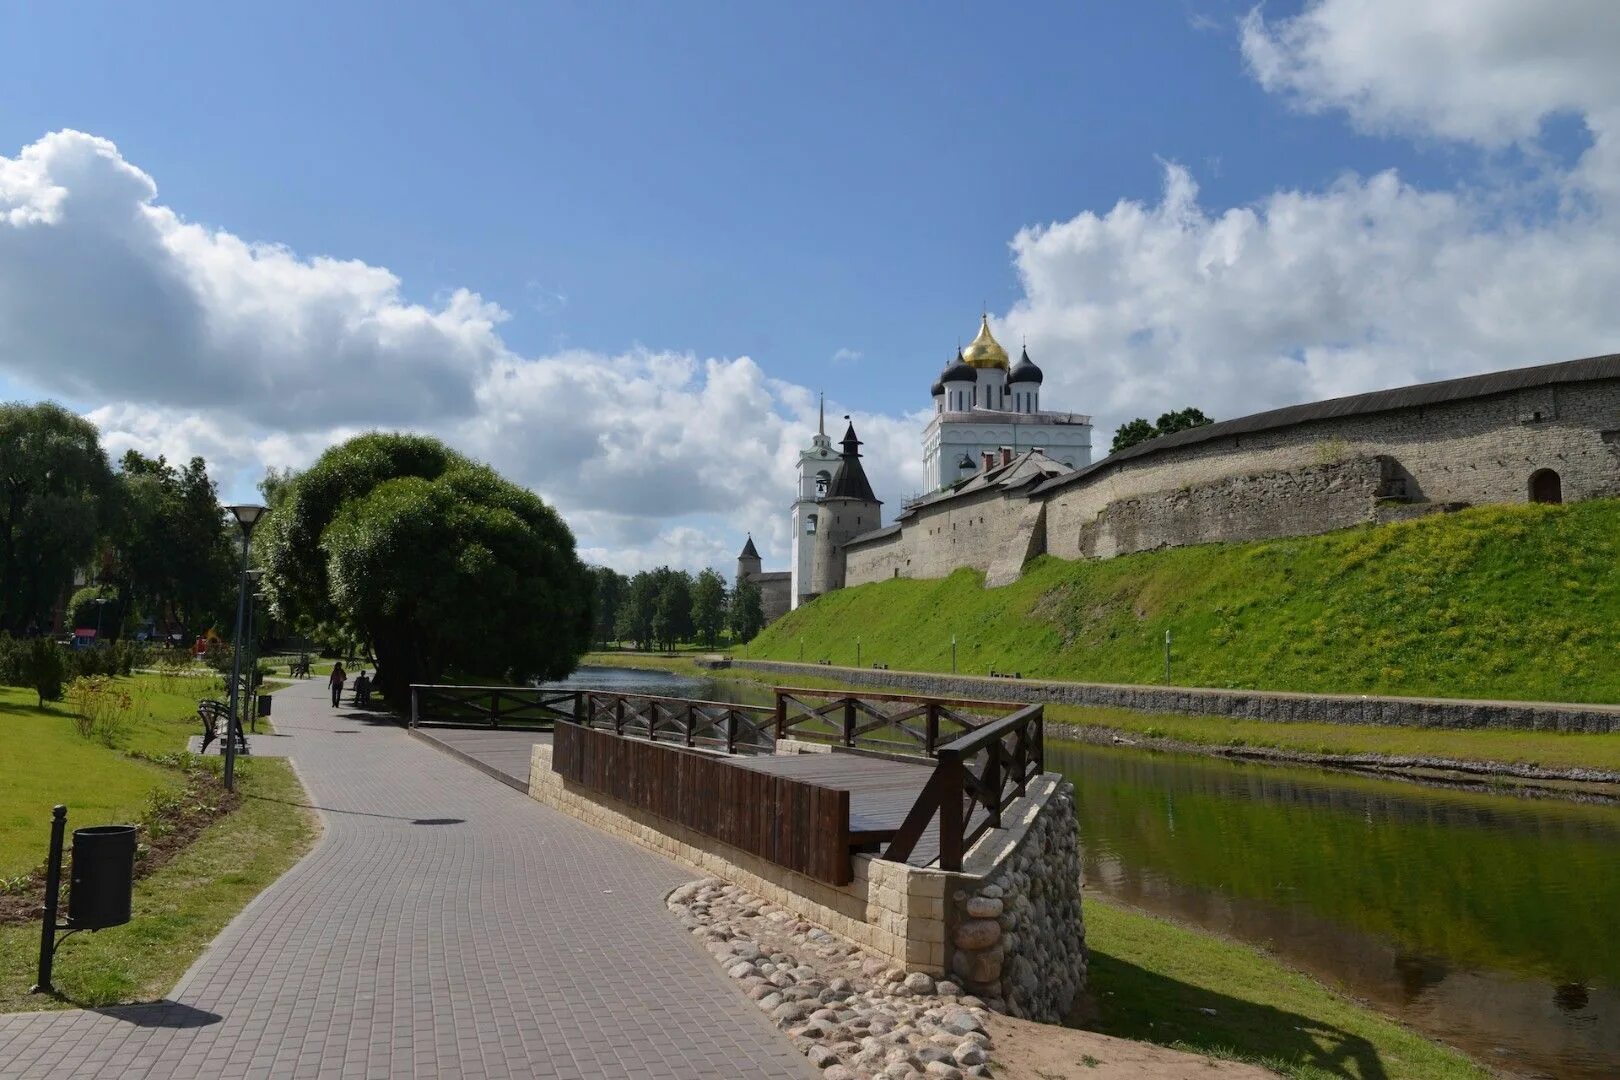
339	676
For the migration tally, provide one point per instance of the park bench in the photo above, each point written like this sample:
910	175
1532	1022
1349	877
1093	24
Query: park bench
299	668
216	715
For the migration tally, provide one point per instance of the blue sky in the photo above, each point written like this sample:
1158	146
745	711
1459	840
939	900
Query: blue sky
632	185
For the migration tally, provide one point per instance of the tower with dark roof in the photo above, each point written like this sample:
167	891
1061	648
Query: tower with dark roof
848	509
748	561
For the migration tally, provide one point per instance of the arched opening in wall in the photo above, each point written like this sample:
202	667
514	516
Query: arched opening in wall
823	478
1546	487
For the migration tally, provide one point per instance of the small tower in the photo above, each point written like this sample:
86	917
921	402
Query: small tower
817	464
748	561
1025	382
847	510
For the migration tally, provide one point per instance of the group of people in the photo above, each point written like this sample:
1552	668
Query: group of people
362	685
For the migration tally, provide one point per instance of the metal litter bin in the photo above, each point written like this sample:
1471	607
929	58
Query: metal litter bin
103	876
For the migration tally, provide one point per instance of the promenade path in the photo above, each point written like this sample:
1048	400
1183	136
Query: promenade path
444	926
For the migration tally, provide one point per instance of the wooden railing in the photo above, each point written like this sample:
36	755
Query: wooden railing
798	825
907	724
975	777
716	725
492	706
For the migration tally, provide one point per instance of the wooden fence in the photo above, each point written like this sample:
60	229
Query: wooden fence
716	725
801	826
491	706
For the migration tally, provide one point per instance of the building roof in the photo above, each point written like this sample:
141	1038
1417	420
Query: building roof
875	534
749	551
1030	467
850	481
1435	393
1025	370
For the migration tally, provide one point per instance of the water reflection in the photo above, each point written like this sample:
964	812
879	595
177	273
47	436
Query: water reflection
1481	919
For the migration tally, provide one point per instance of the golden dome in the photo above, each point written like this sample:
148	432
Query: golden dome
985	351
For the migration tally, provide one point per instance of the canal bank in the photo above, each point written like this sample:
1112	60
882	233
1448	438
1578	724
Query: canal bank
1477	918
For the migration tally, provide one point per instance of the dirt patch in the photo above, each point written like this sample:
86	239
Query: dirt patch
173	819
1030	1051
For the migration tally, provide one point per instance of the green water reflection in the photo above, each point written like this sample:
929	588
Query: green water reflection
1514	885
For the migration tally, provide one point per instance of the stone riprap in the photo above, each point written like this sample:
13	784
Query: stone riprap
1273	705
853	1013
1020	937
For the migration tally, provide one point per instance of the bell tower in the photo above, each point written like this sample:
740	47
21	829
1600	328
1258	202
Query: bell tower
817	463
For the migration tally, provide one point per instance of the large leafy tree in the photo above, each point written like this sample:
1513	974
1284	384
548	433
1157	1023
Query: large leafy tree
55	497
442	566
672	614
708	607
636	610
175	557
1139	430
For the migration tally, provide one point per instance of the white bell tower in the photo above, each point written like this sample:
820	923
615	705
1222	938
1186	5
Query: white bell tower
816	467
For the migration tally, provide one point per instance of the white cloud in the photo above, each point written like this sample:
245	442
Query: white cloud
846	355
1370	282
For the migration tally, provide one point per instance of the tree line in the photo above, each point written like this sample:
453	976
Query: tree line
147	536
658	609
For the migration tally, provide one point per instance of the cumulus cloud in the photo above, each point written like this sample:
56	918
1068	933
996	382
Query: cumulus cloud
1372	281
104	293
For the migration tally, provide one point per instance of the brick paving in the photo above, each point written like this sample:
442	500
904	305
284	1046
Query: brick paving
444	926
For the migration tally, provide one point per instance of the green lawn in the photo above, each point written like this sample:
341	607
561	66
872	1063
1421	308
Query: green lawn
1152	977
97	783
178	909
1512	602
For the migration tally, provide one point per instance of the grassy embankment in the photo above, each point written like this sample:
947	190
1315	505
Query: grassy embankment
180	907
1546	749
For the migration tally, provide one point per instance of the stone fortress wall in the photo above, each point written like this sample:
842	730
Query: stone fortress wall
1432	449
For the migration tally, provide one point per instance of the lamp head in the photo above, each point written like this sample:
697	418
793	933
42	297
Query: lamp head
247	515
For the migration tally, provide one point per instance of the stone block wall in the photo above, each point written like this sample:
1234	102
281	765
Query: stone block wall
1285	502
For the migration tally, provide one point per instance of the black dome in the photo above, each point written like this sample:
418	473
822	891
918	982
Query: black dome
959	370
1025	371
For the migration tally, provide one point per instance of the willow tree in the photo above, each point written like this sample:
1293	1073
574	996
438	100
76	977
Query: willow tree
442	566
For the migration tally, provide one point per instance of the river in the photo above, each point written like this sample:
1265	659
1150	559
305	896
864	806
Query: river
1487	921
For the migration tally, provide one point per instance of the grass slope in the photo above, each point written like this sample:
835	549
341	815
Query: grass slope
1513	602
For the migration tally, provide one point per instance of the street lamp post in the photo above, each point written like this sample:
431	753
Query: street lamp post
857	652
953	654
250	688
100	602
246	516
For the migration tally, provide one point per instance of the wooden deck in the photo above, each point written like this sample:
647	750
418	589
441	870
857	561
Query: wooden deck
881	792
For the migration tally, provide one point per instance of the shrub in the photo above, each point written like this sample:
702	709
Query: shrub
101	708
44	669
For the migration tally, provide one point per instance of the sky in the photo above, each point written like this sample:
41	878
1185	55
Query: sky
616	250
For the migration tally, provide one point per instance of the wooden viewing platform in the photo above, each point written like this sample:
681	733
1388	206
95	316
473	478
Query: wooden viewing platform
912	779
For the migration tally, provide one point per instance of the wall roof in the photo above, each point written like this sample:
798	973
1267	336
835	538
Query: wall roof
1589	369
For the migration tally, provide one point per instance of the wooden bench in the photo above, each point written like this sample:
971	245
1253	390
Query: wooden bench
214	716
300	668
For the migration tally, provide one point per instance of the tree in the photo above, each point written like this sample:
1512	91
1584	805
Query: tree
443	566
746	615
672	615
1139	430
610	587
709	607
55	497
175	556
635	620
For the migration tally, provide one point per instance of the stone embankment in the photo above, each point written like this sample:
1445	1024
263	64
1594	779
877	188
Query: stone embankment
1019	937
853	1013
1273	705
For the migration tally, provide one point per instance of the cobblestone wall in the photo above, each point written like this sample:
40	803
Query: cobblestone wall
1018	936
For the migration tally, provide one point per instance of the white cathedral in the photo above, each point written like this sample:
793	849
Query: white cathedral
982	404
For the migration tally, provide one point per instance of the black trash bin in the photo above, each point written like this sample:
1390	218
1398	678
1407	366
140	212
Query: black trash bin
103	876
264	704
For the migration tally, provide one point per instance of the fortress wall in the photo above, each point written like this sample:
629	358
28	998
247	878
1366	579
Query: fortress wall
967	531
1285	502
1479	450
878	560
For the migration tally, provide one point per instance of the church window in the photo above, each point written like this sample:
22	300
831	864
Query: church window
810	524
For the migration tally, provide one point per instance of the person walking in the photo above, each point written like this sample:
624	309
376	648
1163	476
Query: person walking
339	676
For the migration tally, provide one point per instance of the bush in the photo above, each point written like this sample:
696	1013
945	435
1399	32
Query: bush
44	668
101	708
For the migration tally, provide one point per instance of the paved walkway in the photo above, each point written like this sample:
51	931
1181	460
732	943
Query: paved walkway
444	926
